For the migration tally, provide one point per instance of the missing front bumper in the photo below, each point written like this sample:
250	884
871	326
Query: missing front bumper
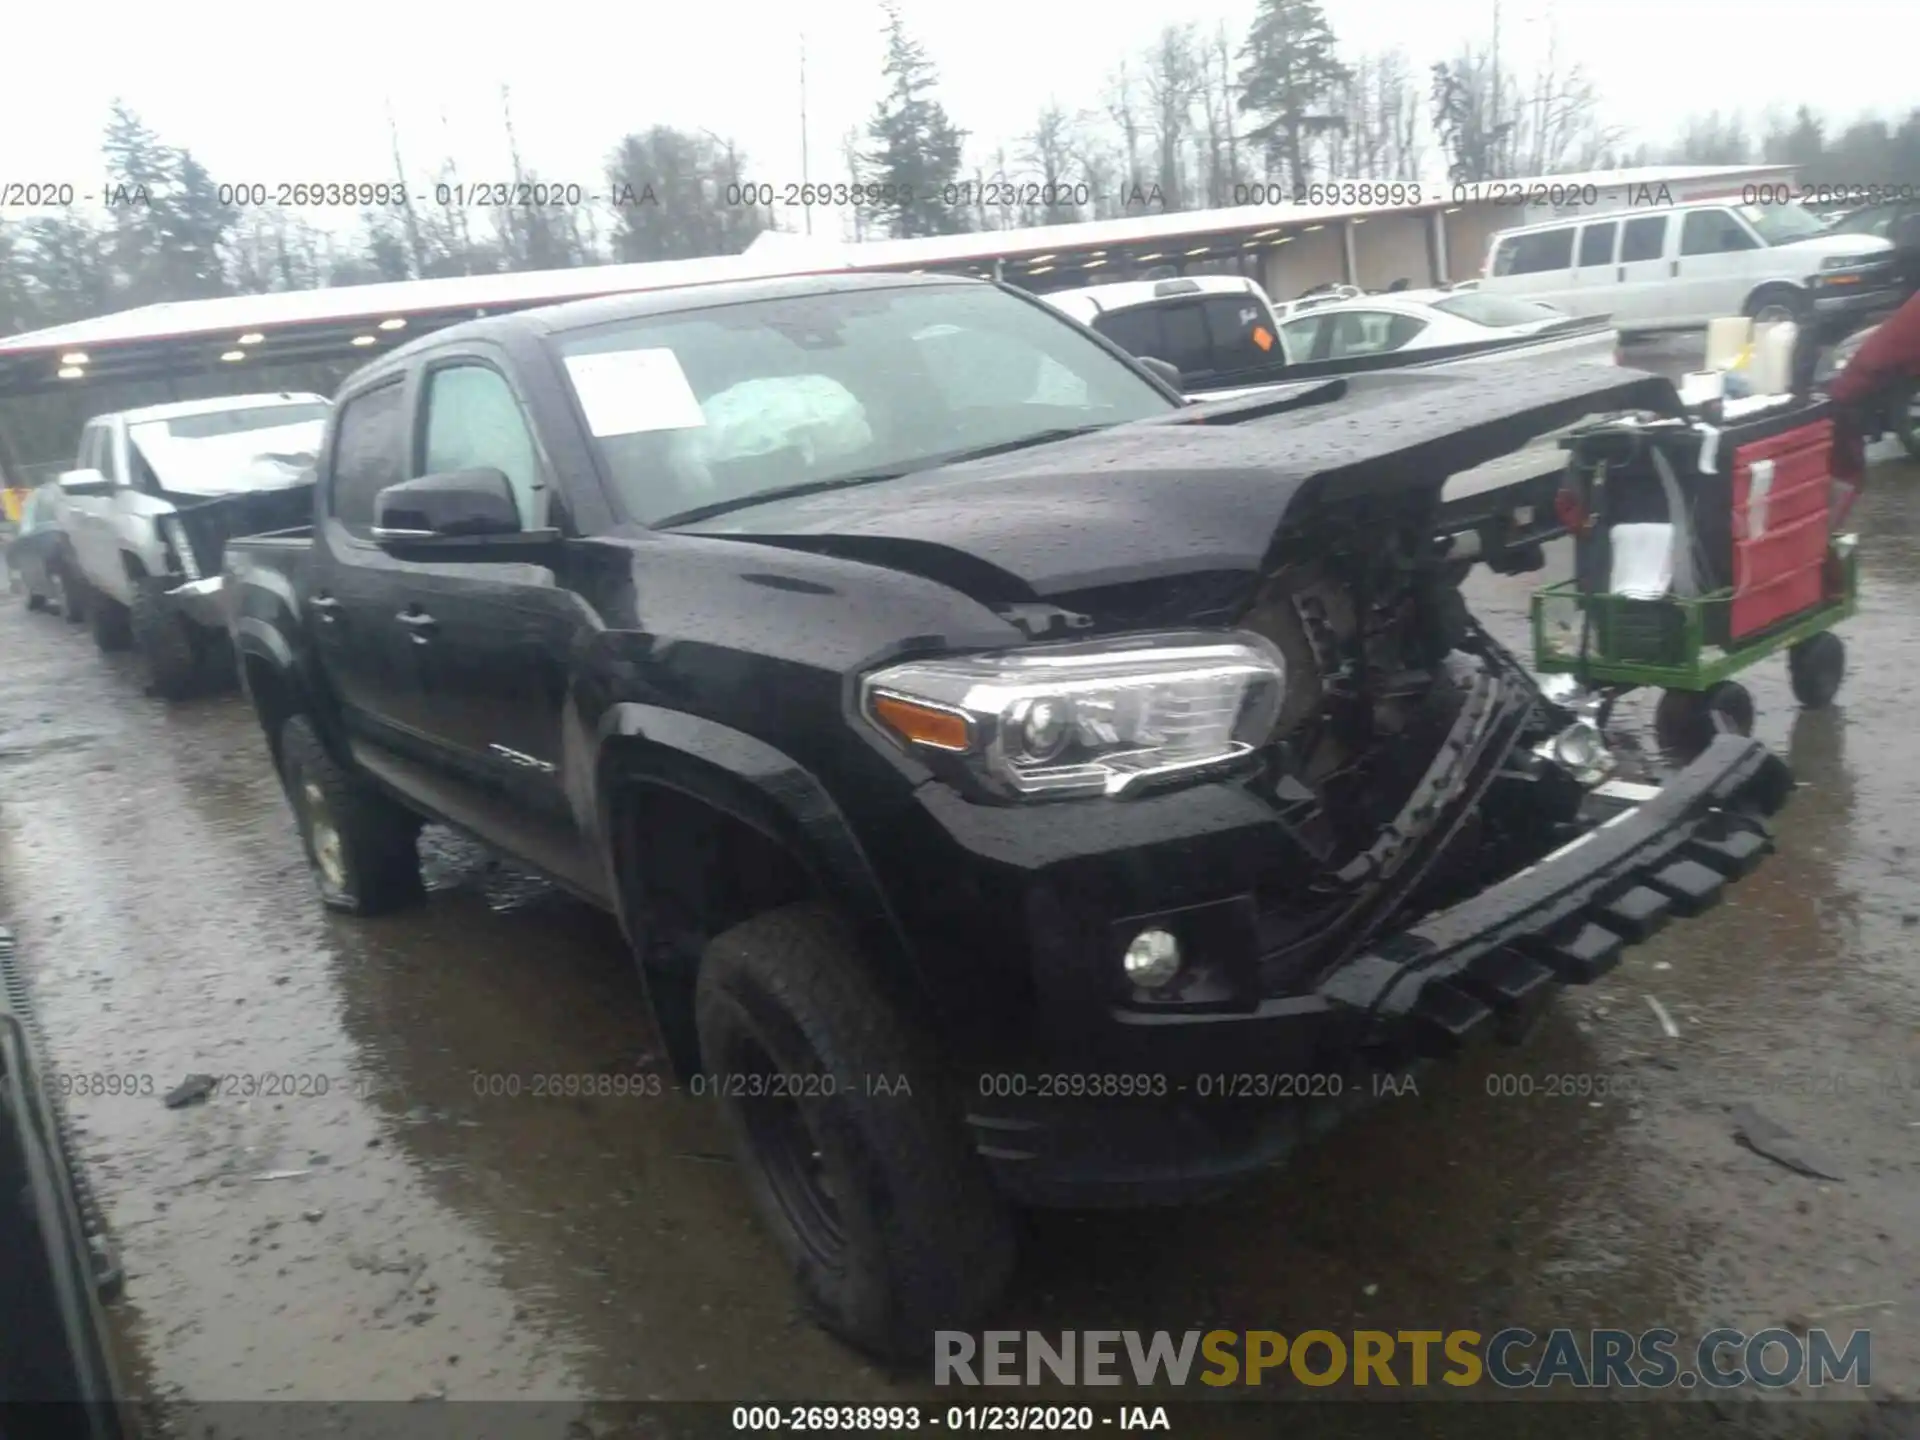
1475	971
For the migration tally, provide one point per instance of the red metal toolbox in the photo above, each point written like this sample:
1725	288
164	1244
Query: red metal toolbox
1781	492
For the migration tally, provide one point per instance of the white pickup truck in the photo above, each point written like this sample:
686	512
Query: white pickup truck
153	499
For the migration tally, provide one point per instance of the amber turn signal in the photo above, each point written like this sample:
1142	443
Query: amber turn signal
923	724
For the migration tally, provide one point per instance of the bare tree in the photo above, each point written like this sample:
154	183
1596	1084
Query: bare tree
851	145
1559	126
1381	138
1123	108
1713	139
1222	167
1049	150
1172	83
409	218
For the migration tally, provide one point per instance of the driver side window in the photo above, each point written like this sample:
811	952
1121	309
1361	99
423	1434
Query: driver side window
475	422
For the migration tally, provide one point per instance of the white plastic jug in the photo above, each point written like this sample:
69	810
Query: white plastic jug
1771	370
1727	337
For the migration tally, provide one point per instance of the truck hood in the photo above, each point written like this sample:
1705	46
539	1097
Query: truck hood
1826	245
1203	491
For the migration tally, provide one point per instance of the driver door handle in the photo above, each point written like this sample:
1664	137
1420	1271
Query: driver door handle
420	623
326	607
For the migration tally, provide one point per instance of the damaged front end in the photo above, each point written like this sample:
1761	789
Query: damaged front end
198	529
1413	756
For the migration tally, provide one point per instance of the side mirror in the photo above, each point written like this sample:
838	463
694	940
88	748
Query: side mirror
1164	370
464	514
86	483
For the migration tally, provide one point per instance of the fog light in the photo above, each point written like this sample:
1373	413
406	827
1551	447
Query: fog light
1152	958
1580	746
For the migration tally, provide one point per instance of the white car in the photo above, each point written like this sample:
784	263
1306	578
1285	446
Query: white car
1427	327
1227	339
1680	266
153	498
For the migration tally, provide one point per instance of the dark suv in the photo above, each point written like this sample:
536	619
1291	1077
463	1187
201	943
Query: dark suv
1016	785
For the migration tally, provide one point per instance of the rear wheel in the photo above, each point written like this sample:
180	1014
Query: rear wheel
165	641
1816	666
361	847
887	1217
36	601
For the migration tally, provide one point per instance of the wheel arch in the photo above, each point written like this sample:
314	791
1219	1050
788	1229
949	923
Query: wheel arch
706	826
1799	294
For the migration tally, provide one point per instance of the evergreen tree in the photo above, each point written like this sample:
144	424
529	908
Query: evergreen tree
140	172
1290	82
916	146
671	197
198	227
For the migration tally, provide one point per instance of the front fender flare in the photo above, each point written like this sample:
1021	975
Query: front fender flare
756	784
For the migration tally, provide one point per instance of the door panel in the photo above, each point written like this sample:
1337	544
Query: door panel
355	589
491	640
1641	271
1713	266
1596	281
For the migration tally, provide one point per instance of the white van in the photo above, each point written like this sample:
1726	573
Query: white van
1680	266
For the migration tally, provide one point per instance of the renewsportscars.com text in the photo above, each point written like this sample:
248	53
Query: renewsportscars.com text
1512	1359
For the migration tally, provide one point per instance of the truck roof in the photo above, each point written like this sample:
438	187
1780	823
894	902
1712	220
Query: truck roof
1088	301
179	409
639	304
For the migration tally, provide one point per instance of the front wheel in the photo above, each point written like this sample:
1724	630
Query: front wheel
857	1159
165	641
361	847
1777	303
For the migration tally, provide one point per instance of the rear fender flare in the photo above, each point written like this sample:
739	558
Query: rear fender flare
257	641
753	783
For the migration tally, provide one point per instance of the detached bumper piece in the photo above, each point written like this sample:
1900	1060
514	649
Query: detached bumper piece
1486	966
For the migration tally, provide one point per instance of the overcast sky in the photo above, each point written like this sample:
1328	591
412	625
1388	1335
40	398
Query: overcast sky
289	92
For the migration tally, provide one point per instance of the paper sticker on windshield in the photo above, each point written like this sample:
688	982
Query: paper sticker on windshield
629	392
1262	337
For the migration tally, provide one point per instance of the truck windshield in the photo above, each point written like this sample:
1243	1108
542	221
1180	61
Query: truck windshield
716	406
1781	224
223	451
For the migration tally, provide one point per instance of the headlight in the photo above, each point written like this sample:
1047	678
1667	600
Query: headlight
175	534
1846	262
1088	717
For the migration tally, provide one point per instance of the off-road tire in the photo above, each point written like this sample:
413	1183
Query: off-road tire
361	847
1816	667
924	1241
165	642
112	626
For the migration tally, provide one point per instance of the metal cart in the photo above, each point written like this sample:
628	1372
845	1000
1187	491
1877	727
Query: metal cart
1752	504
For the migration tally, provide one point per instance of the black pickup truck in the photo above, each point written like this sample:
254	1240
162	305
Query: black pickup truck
1015	784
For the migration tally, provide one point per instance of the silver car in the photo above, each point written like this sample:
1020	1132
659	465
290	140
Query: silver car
154	497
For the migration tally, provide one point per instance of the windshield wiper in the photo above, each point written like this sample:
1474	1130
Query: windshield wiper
844	482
